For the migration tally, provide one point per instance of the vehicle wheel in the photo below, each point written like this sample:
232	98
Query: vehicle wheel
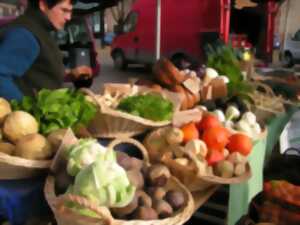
119	61
288	60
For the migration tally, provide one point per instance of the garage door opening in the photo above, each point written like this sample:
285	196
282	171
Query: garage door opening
247	28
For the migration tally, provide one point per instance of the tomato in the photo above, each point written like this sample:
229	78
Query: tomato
240	143
190	132
216	138
208	121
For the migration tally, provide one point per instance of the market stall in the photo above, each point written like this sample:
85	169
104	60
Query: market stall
152	152
189	132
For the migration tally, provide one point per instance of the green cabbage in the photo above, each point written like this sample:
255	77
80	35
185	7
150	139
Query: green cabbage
83	154
105	183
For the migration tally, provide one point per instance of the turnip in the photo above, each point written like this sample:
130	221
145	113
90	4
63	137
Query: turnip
33	146
18	124
7	148
5	109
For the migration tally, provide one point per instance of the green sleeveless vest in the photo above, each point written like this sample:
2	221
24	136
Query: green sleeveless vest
48	70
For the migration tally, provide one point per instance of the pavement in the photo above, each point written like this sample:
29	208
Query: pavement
109	74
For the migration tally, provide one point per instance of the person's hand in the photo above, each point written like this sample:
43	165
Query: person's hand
81	71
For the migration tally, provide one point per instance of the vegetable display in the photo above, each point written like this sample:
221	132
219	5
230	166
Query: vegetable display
81	155
219	151
55	109
223	59
149	106
19	136
154	198
128	186
98	176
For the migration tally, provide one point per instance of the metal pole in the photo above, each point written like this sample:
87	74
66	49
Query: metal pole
158	29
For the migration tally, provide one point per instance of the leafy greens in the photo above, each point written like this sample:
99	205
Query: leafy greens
149	106
55	109
225	60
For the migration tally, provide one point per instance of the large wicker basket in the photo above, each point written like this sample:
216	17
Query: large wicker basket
13	167
264	103
191	176
66	216
111	123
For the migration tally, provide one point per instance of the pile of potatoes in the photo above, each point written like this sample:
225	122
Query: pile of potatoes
19	135
154	199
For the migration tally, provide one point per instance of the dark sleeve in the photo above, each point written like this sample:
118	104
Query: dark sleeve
18	50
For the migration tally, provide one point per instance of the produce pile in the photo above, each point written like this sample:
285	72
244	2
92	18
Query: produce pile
128	186
187	84
19	135
217	150
148	106
56	109
212	142
33	128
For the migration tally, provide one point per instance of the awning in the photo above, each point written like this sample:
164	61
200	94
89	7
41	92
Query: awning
90	6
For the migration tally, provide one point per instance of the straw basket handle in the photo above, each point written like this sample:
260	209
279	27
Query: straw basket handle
58	203
137	144
103	212
91	94
265	87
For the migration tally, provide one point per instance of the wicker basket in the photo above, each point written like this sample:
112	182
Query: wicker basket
111	123
66	216
191	176
265	104
13	167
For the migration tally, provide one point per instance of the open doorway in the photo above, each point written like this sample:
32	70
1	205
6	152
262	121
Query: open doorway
249	25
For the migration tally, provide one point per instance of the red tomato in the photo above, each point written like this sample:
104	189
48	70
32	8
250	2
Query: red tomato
240	143
216	138
208	121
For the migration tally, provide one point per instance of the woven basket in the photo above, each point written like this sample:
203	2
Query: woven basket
13	167
265	104
66	216
191	176
111	123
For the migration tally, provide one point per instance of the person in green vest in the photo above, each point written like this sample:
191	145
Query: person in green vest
29	56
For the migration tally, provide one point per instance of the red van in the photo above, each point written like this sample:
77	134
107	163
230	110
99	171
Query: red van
186	26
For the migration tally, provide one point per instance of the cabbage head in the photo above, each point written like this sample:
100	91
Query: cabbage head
83	154
105	183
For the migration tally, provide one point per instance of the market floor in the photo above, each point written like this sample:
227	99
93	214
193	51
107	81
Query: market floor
109	74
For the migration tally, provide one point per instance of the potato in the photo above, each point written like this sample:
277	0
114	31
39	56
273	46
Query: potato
33	146
7	148
5	109
239	169
174	136
55	138
225	169
18	124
